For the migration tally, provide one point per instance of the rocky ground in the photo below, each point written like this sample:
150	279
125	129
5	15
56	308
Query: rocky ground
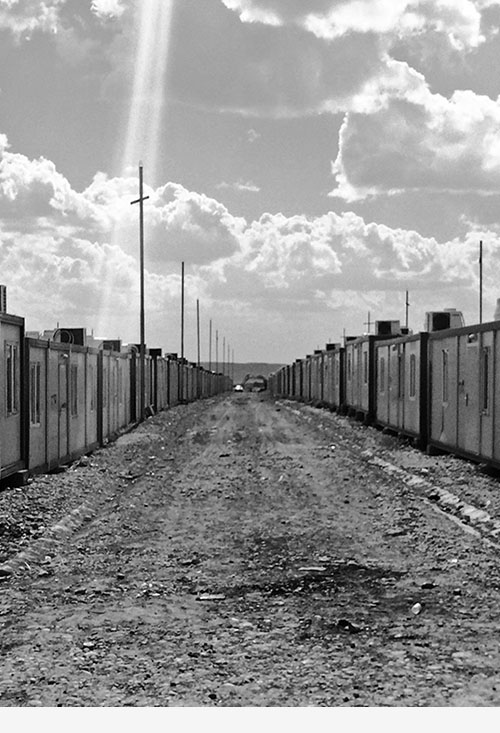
247	552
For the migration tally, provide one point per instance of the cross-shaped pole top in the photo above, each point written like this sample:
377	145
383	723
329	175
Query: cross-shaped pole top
141	197
368	322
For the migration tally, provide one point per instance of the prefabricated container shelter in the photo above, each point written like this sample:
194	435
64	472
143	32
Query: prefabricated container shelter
401	385
12	395
464	391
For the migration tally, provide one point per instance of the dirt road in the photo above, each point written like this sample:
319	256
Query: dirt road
243	552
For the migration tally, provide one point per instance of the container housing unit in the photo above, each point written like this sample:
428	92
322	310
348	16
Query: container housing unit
464	391
12	395
401	385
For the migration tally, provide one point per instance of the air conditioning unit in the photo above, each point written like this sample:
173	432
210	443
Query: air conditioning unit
75	336
112	344
441	320
387	328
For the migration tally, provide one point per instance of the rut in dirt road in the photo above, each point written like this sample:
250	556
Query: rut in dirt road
240	553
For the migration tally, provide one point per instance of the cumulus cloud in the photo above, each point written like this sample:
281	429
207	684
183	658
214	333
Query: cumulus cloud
459	20
108	8
283	258
79	252
180	224
23	17
411	139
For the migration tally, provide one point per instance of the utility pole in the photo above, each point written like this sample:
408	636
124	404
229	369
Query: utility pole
407	305
181	373
481	281
216	351
223	355
198	339
368	322
210	347
142	351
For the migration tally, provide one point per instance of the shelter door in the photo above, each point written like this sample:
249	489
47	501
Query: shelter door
63	403
468	397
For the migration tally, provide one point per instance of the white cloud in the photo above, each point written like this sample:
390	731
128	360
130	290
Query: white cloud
179	224
108	8
240	185
23	17
252	135
459	20
411	139
79	252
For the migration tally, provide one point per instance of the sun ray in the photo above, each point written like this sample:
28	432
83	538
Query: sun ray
142	136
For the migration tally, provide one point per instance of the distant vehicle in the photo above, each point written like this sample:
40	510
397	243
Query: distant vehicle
238	388
255	384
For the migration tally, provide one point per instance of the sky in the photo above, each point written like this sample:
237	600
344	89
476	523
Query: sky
309	160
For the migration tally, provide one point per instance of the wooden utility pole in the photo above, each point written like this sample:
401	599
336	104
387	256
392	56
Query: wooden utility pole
368	322
198	339
407	305
181	373
223	355
216	351
481	281
142	351
210	347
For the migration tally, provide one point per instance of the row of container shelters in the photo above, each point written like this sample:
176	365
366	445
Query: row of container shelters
60	398
440	386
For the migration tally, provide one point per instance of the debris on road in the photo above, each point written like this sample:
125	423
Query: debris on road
159	574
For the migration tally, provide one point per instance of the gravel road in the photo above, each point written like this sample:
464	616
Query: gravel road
247	552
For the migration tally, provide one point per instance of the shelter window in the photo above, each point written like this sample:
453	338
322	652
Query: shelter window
444	386
74	389
35	378
120	384
413	375
382	374
12	378
365	367
92	387
105	387
485	374
401	375
348	366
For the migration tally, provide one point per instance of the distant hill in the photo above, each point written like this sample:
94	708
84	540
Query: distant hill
253	368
